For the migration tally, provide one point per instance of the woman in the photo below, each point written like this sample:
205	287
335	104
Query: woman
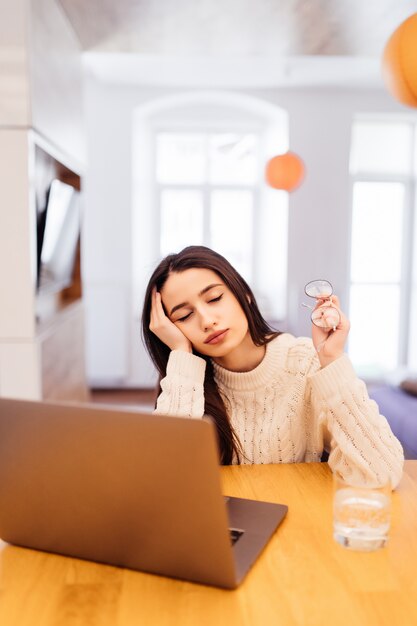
274	398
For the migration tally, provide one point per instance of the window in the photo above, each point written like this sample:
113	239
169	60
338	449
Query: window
383	288
207	189
193	153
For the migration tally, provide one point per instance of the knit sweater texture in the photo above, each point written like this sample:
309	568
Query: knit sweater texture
289	409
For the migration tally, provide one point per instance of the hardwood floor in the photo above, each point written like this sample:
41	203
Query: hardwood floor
144	399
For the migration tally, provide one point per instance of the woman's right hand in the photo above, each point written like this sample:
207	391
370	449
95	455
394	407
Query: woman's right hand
164	329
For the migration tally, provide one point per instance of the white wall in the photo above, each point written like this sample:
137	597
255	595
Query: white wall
40	90
19	374
18	231
41	74
320	210
55	71
14	85
107	234
319	216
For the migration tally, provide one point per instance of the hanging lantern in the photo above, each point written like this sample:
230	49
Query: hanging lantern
285	171
400	62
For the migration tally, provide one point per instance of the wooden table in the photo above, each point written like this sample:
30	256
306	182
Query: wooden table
303	577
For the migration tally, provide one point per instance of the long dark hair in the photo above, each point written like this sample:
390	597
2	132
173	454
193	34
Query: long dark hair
260	331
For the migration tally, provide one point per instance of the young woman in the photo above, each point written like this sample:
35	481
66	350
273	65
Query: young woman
274	398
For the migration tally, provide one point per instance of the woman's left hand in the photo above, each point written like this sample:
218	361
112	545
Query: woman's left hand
330	345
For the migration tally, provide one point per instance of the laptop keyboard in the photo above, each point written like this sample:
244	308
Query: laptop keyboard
235	534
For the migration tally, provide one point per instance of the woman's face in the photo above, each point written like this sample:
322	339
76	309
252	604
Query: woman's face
205	310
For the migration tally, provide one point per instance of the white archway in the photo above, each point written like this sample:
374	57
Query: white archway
192	109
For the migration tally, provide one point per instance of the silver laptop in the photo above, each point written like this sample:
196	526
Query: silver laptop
140	491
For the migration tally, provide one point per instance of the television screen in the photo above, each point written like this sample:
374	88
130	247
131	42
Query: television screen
59	237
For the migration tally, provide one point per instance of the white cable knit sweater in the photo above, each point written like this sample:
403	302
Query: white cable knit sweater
287	410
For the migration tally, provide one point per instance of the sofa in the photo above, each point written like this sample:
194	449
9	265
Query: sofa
400	409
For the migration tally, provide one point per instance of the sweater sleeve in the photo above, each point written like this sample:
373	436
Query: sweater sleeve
183	386
362	445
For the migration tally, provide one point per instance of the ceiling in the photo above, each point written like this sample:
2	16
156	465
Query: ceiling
245	28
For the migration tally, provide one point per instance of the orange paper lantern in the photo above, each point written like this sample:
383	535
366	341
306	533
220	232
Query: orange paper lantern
285	171
400	62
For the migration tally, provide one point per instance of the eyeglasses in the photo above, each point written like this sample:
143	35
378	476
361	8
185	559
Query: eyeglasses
326	316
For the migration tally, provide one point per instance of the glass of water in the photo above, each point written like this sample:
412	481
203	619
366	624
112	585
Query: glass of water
361	514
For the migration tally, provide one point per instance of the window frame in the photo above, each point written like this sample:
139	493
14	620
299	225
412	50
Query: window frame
207	188
409	247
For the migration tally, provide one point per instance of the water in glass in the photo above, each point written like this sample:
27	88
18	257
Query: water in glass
361	517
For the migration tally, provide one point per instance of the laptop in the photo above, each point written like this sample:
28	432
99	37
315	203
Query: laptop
140	491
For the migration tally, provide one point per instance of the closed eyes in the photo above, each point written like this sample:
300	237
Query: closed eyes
183	319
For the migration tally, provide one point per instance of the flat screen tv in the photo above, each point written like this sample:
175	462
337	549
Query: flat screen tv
58	236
